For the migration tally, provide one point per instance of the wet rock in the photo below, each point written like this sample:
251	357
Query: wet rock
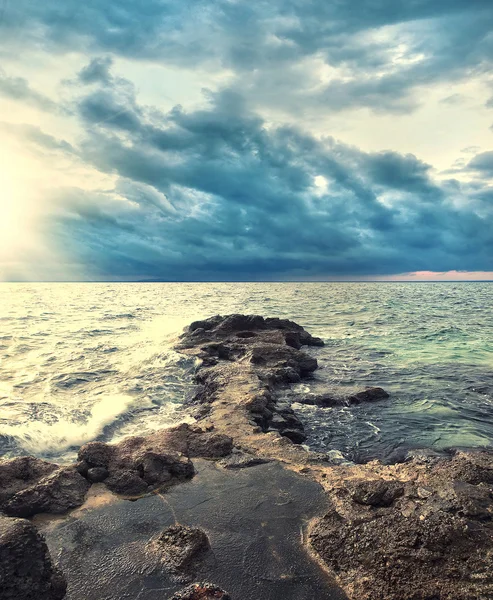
31	486
201	591
372	394
180	548
246	328
328	399
26	569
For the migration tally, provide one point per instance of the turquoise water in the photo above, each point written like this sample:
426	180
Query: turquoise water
96	361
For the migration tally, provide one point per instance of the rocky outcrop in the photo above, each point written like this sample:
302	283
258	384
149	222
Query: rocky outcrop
370	394
244	359
138	465
424	531
31	486
26	569
201	591
180	549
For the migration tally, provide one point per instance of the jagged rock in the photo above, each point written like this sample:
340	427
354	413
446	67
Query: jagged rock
26	569
376	492
242	460
180	548
328	399
430	536
138	464
31	486
201	591
97	474
372	394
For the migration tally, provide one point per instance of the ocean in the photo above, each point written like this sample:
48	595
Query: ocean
87	361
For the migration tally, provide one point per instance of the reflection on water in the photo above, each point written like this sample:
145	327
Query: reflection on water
86	361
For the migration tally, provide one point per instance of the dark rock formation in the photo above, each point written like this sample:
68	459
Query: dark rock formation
31	485
371	394
26	570
244	359
201	591
180	548
136	465
427	536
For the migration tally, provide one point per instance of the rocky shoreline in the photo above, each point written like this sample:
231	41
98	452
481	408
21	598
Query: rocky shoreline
418	530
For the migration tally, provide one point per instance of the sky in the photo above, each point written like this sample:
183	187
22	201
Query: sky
213	140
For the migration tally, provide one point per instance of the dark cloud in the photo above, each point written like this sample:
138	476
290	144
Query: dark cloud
387	51
215	194
482	162
97	71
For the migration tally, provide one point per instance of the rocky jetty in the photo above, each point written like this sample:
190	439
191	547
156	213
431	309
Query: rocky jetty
420	529
26	569
244	360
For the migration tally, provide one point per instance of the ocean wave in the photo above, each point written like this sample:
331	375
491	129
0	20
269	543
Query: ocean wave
42	439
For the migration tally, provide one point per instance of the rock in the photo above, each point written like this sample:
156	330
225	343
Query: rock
376	492
327	399
242	460
138	465
295	435
180	548
97	474
372	394
55	492
201	591
430	536
126	482
96	454
209	445
26	569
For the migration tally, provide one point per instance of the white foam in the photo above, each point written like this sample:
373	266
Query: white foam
38	438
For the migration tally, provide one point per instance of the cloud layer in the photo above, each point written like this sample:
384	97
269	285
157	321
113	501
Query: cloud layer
219	190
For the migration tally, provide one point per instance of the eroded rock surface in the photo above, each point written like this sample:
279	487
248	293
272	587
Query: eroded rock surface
424	531
244	359
26	569
370	394
201	591
138	465
30	485
180	549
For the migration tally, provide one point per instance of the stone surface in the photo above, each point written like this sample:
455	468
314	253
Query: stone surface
26	569
30	486
138	465
180	548
255	520
245	358
201	591
428	534
327	399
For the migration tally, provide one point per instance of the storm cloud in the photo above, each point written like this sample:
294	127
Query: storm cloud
226	187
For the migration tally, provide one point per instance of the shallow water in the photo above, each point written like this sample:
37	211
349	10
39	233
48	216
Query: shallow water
87	361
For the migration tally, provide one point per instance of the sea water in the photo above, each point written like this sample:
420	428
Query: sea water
80	362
